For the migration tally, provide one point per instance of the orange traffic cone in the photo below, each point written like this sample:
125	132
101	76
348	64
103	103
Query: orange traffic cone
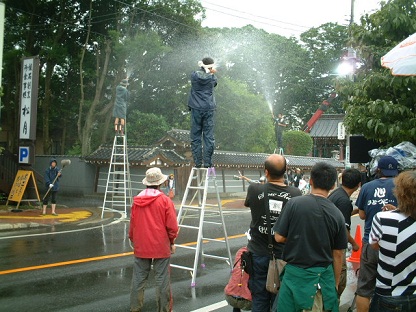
355	255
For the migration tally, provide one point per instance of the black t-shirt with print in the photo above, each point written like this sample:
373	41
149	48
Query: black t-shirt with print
278	197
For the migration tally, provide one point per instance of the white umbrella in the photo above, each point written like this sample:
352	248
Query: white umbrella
401	60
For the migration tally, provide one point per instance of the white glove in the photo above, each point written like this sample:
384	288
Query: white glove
50	185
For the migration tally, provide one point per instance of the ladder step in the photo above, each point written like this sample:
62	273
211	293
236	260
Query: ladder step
181	267
211	222
192	207
189	226
197	187
112	203
116	192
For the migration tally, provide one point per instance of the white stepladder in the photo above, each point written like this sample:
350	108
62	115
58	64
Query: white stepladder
198	184
279	150
118	193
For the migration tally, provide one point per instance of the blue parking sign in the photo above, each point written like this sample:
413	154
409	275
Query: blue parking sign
24	154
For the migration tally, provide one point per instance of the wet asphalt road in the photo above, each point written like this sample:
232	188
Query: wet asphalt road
90	269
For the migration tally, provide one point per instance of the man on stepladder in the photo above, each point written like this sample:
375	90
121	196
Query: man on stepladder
279	125
120	107
202	105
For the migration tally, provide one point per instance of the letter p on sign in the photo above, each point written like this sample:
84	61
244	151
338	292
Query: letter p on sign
23	155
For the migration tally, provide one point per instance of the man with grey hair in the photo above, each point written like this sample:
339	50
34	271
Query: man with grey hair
153	230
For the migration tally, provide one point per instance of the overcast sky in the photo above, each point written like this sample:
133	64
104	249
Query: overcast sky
284	17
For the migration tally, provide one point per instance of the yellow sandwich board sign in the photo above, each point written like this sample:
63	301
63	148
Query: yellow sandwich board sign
22	180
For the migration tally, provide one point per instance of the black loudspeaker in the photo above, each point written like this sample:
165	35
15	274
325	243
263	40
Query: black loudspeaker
359	147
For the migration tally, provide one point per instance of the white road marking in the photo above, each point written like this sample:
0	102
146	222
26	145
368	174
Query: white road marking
212	307
63	232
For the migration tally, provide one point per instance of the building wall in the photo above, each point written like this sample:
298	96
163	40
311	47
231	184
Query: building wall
77	178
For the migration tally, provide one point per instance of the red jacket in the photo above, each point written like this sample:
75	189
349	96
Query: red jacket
153	224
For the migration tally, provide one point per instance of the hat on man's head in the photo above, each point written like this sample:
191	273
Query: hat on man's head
154	176
388	166
124	82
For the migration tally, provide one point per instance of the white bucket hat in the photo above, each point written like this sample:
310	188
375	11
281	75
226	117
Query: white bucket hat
154	176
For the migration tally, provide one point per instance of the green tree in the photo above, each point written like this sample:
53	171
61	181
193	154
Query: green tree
146	128
243	121
297	143
379	105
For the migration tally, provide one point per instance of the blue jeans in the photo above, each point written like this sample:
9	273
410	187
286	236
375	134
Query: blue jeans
202	128
390	304
262	300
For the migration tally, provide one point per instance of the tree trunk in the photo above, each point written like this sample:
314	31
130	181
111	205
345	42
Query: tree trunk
47	143
90	117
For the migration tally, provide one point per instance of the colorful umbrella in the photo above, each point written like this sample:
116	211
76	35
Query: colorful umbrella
401	60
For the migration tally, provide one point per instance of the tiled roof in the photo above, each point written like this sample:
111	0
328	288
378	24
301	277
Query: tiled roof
256	160
177	136
138	155
327	126
222	159
308	162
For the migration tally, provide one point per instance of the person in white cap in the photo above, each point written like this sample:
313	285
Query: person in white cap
202	105
120	107
153	230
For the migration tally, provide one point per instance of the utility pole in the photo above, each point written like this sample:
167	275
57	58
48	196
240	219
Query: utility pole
352	12
2	9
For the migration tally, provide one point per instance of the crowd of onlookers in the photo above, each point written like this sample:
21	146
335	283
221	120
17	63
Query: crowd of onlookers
310	235
312	232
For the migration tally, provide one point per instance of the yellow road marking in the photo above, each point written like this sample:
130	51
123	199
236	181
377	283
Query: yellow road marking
71	262
56	264
64	217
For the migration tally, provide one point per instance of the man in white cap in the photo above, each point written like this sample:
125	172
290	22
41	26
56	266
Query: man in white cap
202	105
153	230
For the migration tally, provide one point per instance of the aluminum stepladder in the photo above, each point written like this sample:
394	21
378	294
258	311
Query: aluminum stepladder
279	150
197	187
118	193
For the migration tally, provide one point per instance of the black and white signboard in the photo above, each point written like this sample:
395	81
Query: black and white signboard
29	98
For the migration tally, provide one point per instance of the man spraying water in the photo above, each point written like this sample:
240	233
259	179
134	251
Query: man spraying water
202	105
279	127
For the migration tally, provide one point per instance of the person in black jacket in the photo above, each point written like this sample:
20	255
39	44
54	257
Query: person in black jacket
52	175
120	107
202	105
297	177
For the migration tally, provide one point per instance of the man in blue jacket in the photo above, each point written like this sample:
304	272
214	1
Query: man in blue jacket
202	106
52	175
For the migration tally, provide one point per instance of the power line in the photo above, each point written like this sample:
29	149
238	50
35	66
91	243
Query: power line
248	19
257	16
